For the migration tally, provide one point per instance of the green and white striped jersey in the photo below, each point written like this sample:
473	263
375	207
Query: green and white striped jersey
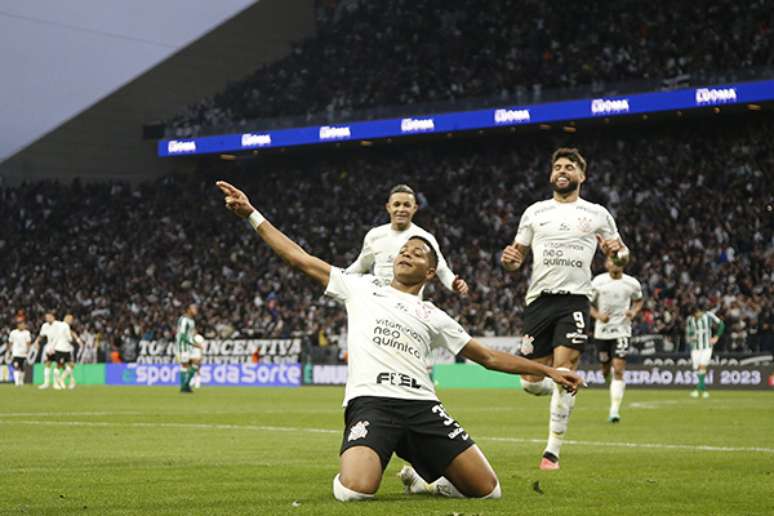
698	330
186	328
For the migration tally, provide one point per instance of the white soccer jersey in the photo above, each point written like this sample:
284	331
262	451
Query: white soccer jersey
20	341
563	241
614	297
382	244
390	335
61	336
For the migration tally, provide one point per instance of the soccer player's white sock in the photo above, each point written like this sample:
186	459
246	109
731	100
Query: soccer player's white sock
541	388
562	403
57	376
46	375
18	377
443	487
345	494
617	388
197	380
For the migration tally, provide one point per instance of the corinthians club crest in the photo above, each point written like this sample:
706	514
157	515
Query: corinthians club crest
526	345
584	224
358	431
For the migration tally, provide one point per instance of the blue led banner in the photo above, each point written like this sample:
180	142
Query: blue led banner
638	103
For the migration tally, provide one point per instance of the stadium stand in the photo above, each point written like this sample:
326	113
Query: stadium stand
439	51
693	202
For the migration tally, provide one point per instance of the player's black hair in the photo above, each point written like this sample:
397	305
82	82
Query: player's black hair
433	253
401	188
570	153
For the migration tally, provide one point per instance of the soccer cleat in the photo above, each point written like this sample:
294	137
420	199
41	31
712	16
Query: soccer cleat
412	483
549	462
71	386
614	419
43	386
705	394
694	394
58	386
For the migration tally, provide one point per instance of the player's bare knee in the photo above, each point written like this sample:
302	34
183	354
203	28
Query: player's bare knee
359	483
483	488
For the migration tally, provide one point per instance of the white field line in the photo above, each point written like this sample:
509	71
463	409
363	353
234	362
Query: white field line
261	428
68	414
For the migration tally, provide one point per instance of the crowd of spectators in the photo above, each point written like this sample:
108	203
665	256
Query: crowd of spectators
404	52
693	203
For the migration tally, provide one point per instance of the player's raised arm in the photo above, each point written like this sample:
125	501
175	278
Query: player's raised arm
292	253
507	363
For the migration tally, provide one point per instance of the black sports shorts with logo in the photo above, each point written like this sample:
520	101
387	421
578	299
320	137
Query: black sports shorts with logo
554	320
418	431
61	357
612	348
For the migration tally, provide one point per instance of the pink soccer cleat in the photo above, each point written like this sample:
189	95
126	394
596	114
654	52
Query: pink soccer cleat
547	464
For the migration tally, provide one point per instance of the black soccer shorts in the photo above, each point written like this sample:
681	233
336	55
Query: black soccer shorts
554	320
61	357
611	348
418	431
18	363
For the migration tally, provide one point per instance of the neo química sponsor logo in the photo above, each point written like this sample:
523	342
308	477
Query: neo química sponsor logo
180	146
335	133
255	140
705	96
415	125
609	106
511	116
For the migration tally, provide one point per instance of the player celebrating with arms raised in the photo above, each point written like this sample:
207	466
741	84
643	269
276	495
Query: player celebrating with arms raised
616	301
563	233
390	400
381	244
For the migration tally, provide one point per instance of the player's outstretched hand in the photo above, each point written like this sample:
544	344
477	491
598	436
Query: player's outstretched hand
512	258
236	200
460	286
569	380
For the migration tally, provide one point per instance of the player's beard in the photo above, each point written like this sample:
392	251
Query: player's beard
571	187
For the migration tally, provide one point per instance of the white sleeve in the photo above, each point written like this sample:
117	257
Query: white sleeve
343	286
443	271
526	231
449	334
594	290
637	290
608	229
365	260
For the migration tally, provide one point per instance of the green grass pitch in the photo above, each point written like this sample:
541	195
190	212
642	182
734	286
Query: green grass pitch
134	450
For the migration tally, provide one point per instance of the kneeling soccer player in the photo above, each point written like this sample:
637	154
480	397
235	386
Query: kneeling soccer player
391	405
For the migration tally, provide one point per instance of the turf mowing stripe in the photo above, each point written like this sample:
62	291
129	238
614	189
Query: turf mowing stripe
210	426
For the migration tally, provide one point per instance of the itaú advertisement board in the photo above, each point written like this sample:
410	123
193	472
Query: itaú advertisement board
212	375
502	116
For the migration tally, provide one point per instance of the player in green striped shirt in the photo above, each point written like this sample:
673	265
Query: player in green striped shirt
699	335
184	344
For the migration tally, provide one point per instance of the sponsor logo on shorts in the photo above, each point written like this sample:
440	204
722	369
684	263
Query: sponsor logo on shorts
449	421
358	431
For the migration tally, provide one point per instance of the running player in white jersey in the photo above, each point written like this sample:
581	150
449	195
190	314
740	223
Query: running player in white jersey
616	300
563	233
382	243
701	339
46	336
19	341
391	405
